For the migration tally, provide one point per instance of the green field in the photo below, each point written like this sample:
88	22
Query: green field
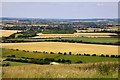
90	40
41	55
93	40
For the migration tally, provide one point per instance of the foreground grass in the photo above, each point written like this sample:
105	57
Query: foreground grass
41	55
63	71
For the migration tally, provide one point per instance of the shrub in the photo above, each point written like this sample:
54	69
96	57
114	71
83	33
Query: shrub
84	54
24	51
102	55
79	62
12	55
22	57
6	64
51	53
113	56
8	56
93	54
59	60
68	61
59	53
103	69
65	53
49	59
118	56
107	55
87	54
63	61
17	49
70	53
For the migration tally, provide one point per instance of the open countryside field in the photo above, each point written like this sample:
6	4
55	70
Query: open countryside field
6	33
40	35
41	55
61	71
64	47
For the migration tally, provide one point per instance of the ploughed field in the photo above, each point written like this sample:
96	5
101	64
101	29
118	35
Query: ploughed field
64	47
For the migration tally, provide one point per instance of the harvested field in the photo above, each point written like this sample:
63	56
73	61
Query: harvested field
6	33
40	35
64	47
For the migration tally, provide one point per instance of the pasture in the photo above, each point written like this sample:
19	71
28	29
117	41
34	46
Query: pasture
6	33
64	47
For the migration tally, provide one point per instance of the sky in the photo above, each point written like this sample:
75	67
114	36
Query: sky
60	10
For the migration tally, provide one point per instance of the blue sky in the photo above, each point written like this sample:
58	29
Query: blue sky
76	10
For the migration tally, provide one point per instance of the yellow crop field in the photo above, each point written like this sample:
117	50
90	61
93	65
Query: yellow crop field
64	47
5	33
40	35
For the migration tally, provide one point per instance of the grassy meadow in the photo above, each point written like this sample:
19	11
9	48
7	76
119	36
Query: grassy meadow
97	70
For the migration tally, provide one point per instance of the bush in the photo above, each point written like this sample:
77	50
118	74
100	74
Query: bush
63	61
113	56
59	53
118	56
51	53
12	55
102	55
70	53
6	64
107	55
59	60
22	57
79	62
49	59
68	61
93	54
65	53
103	69
17	49
87	54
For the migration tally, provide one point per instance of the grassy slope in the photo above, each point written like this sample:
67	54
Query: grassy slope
58	71
73	58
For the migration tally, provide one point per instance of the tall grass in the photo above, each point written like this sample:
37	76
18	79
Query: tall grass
90	70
